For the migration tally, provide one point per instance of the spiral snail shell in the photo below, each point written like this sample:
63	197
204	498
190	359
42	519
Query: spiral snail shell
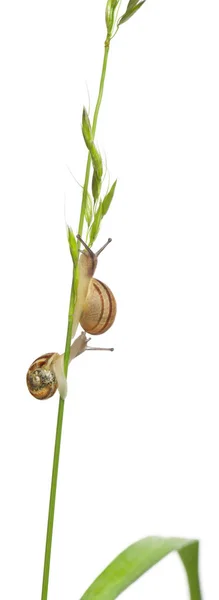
41	379
95	308
100	308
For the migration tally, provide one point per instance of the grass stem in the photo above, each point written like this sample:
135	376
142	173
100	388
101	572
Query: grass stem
73	294
94	126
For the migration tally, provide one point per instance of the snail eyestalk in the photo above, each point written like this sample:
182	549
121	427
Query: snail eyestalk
104	246
89	249
105	349
85	245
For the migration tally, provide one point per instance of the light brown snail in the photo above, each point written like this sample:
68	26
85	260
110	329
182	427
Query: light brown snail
95	307
46	374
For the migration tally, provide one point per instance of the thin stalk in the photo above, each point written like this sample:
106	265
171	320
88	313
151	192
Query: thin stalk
52	500
94	126
55	467
73	295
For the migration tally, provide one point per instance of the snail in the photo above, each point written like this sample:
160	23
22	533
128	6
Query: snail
46	374
41	378
95	310
95	307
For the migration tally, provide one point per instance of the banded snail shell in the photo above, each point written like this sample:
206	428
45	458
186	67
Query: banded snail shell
41	379
99	310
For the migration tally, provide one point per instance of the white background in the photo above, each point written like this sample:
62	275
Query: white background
140	440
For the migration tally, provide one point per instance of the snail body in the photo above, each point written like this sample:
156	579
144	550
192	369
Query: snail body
95	308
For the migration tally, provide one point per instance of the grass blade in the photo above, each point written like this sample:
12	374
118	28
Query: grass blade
139	558
132	8
108	199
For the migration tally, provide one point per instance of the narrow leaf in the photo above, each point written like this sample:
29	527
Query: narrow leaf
72	245
76	280
96	160
108	199
139	558
130	12
96	186
88	209
86	129
96	225
110	14
131	4
88	138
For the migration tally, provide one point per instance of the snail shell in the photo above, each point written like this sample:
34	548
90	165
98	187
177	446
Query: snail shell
41	379
99	310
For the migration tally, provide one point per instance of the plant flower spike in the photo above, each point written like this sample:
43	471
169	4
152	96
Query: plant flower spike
92	306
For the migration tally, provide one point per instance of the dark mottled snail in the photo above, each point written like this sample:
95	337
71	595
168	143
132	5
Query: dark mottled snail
41	378
46	374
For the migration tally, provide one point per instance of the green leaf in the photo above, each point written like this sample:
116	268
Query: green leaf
96	160
96	186
132	8
110	14
108	199
88	138
131	4
73	245
86	129
139	558
88	209
95	225
75	282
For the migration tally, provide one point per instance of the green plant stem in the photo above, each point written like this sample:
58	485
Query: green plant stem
56	456
94	126
52	500
73	294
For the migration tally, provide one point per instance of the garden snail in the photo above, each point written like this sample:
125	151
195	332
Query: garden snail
95	307
41	378
46	374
